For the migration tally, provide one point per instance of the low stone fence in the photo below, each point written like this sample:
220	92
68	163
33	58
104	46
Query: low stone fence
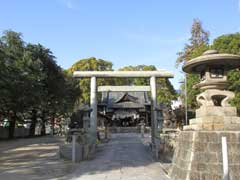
82	151
18	132
136	129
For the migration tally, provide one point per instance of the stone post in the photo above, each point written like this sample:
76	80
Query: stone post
93	105
74	139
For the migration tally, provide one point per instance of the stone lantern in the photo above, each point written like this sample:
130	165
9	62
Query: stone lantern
215	112
208	148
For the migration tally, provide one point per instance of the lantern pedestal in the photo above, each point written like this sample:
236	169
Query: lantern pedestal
214	118
198	155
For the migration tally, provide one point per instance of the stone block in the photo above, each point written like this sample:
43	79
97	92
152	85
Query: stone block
200	147
195	176
205	156
234	148
215	122
195	121
206	137
234	172
212	119
231	137
233	177
187	136
233	127
216	169
214	147
199	167
216	111
192	127
207	126
210	176
178	174
218	127
233	158
235	120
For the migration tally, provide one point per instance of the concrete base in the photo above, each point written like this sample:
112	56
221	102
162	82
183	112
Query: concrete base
216	111
198	155
215	118
215	123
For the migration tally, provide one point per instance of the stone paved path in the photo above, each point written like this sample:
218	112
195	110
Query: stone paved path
126	157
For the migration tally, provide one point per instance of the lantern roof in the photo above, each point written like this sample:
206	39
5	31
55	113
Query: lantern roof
212	58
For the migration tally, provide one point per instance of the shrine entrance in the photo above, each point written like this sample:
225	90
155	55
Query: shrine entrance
152	75
125	106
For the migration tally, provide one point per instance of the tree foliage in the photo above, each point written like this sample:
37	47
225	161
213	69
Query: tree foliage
230	43
165	90
199	40
198	43
90	64
32	82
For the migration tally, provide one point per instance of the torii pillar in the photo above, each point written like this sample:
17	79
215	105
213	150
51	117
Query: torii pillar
154	122
93	106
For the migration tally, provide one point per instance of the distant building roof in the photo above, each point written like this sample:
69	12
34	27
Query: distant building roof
125	100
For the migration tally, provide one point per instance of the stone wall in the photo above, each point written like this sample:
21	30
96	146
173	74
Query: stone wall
168	140
18	132
198	155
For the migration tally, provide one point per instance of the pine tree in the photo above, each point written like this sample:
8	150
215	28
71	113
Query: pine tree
198	43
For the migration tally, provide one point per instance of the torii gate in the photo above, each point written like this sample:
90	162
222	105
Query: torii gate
152	75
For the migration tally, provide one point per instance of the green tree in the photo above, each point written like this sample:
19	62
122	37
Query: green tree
230	43
32	82
199	40
165	90
13	89
135	81
198	43
90	64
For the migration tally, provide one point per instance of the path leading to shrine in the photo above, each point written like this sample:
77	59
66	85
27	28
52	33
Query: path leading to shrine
126	157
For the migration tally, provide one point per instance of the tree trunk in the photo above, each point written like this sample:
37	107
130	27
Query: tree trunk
33	123
52	123
12	121
43	129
